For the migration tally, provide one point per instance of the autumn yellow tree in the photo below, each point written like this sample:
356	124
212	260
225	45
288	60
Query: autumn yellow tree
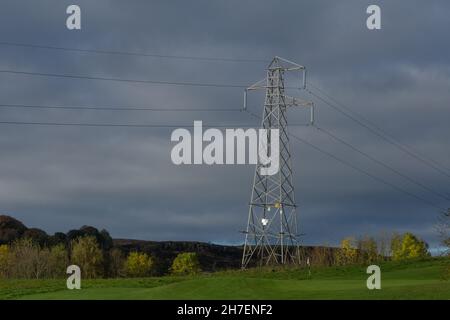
138	264
185	263
347	253
4	260
86	253
408	246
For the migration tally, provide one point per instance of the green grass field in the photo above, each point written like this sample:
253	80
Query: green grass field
411	280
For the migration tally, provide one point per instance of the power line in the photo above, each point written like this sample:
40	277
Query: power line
82	124
122	108
348	164
382	136
367	173
133	125
373	159
412	180
426	160
157	82
72	124
127	53
378	127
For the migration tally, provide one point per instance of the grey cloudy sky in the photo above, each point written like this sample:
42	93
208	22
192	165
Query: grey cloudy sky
122	179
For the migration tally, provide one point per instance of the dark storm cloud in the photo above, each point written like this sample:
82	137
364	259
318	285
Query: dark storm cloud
122	179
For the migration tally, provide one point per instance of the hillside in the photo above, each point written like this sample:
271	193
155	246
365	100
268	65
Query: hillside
211	256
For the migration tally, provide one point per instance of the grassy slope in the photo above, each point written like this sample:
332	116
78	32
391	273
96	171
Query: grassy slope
412	280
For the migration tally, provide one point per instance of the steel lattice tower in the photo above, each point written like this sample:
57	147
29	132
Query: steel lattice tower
272	235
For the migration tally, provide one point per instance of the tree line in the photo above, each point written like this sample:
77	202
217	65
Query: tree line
368	250
30	260
33	254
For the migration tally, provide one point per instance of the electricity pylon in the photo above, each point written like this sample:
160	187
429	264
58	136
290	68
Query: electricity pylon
272	236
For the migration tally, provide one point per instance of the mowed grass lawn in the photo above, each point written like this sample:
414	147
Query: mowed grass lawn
411	280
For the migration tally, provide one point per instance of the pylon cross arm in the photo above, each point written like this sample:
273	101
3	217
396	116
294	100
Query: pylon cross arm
261	84
292	101
296	102
292	65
